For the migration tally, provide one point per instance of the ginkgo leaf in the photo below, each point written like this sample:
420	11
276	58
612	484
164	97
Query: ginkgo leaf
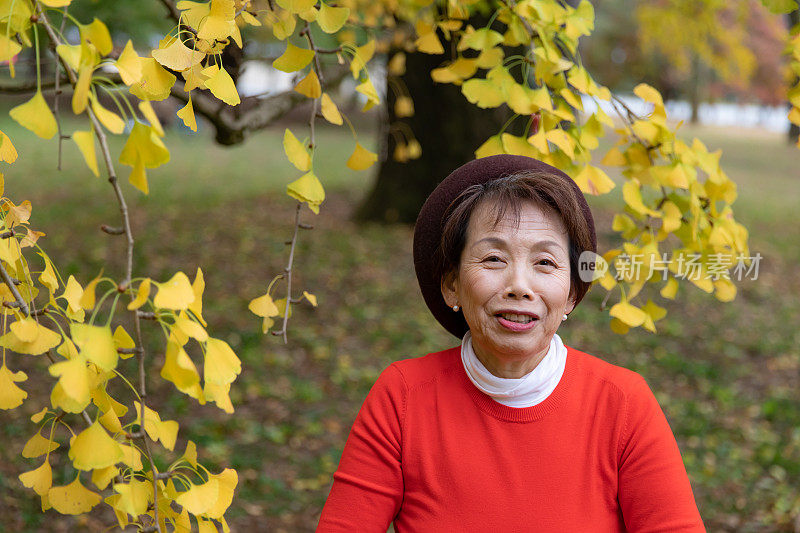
330	111
563	140
8	48
101	477
181	371
143	149
85	142
97	33
481	39
186	114
309	86
36	116
361	56
483	93
150	116
293	58
296	152
135	496
142	293
96	344
199	498
307	188
368	89
37	446
45	339
109	119
73	377
177	56
138	176
221	363
219	23
190	327
123	340
26	329
11	396
429	43
630	315
296	6
632	194
80	95
263	306
7	151
39	479
72	293
331	19
221	85
361	158
129	65
175	294
198	286
155	82
228	479
404	106
94	448
71	54
73	499
593	180
311	298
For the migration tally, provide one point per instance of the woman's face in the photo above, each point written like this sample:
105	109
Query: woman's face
504	269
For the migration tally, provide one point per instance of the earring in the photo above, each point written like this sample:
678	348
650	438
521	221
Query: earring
455	308
564	317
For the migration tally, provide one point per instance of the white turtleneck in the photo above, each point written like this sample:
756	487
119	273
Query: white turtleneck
530	389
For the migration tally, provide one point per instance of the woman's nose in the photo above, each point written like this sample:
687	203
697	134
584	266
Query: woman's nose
519	282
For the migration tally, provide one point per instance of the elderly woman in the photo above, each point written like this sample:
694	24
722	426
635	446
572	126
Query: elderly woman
512	430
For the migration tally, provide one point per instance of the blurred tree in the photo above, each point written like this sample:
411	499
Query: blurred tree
793	21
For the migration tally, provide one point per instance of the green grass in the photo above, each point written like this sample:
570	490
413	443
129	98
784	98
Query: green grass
726	375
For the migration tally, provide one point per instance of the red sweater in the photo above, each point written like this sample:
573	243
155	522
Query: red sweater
432	453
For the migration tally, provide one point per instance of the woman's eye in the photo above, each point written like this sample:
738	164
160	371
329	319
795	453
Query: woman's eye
546	262
492	258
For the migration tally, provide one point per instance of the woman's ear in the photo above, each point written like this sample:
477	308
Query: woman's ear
448	287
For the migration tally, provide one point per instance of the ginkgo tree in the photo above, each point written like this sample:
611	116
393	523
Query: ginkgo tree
677	199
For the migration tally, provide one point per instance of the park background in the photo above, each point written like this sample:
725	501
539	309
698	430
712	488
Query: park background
726	375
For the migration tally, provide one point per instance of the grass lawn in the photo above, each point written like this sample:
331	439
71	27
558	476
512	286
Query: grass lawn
726	375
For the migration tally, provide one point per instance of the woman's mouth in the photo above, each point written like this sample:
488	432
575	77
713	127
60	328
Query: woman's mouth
516	322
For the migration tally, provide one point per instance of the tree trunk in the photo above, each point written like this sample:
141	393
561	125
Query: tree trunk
694	97
448	128
793	20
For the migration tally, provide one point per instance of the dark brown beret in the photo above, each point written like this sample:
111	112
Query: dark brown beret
430	224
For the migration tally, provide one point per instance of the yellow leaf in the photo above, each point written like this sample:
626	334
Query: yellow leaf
39	479
592	180
671	220
483	93
38	445
613	158
131	457
219	23
517	145
143	148
25	329
96	344
177	56
129	65
362	56
11	396
563	140
190	327
221	364
135	495
296	6
307	188
109	119
481	39
263	306
630	315
309	86
428	43
331	19
155	82
123	340
670	289
221	85
80	96
44	340
404	106
103	476
74	378
150	115
8	153
368	89
228	480
98	35
71	54
296	151
619	327
38	417
94	448
293	58
85	142
186	114
632	195
198	286
725	290
73	499
36	116
284	24
361	159
199	498
492	146
87	298
111	422
8	48
73	293
181	371
142	294
175	294
330	111
489	58
310	297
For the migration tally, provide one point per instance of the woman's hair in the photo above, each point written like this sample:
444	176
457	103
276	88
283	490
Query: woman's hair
544	189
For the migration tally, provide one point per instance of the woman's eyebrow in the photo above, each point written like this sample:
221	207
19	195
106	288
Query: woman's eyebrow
496	241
